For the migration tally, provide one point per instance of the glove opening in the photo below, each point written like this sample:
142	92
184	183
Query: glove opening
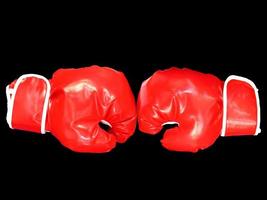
169	125
105	125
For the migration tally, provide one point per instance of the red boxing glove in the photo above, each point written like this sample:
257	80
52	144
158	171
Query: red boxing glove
72	104
203	106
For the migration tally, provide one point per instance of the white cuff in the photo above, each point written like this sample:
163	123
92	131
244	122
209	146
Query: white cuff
239	78
11	94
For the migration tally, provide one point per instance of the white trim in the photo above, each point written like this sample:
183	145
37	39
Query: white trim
239	78
10	100
171	122
8	93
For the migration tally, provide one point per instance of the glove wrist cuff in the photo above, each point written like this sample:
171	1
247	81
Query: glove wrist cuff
241	107
27	103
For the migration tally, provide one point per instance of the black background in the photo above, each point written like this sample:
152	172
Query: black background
138	47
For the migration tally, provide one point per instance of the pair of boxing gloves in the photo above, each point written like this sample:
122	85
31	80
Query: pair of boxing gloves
73	103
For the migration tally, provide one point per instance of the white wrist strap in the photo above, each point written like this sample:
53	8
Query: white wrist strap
239	78
11	94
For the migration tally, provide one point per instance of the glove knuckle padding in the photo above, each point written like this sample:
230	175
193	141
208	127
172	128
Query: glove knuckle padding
83	98
190	98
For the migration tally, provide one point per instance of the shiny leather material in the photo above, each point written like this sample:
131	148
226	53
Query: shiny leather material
28	104
79	100
241	109
194	101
